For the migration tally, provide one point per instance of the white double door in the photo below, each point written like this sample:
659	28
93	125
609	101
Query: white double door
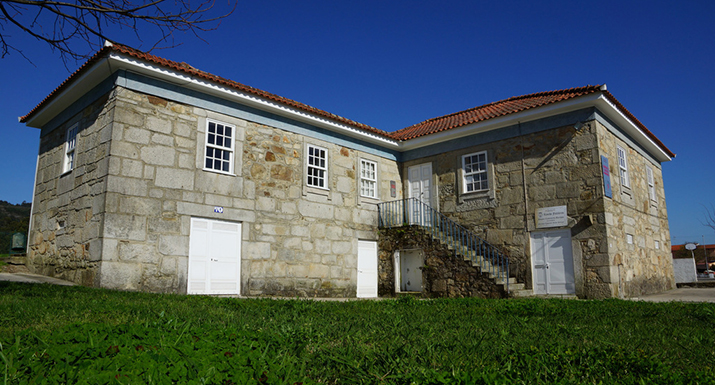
420	187
214	257
552	262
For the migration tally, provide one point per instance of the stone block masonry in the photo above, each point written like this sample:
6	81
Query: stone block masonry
295	241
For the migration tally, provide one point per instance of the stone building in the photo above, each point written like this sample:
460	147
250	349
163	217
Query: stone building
153	175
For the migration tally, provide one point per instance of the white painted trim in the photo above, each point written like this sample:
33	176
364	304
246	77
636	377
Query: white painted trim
244	98
76	89
32	204
604	105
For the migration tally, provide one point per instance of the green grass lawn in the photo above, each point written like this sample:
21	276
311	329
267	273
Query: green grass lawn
75	335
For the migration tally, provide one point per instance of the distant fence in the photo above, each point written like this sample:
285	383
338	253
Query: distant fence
12	242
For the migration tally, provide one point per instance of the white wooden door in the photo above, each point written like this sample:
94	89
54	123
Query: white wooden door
411	270
420	187
214	257
367	269
552	262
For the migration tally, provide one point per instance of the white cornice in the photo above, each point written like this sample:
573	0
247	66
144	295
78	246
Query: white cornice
224	92
115	61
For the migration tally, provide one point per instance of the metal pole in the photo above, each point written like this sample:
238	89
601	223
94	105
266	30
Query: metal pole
705	252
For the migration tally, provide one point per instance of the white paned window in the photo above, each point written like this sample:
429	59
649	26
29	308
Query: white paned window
219	147
657	245
368	179
651	183
475	172
623	167
317	167
629	239
70	145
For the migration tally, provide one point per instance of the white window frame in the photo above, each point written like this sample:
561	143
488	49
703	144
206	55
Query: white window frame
70	157
213	147
312	169
466	175
629	239
623	167
368	180
651	183
657	245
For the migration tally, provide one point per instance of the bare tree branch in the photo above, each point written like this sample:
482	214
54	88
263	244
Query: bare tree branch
709	219
68	25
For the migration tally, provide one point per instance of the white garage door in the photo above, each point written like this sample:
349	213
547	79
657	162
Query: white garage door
367	269
214	257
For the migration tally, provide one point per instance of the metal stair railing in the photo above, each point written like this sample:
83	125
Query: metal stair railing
414	212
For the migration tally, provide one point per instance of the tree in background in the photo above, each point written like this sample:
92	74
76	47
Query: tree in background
77	28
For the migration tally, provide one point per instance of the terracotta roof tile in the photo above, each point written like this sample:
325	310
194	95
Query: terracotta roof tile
186	68
490	111
428	127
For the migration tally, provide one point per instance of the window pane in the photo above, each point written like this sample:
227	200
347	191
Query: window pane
219	129
212	139
212	127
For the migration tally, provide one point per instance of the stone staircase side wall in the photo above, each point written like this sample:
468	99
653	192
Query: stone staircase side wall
444	274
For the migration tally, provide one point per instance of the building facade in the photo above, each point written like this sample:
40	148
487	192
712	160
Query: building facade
155	176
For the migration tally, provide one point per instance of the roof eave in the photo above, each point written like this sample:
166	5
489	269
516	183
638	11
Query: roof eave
597	100
84	82
631	128
114	61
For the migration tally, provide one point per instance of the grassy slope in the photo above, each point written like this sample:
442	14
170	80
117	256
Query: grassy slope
80	335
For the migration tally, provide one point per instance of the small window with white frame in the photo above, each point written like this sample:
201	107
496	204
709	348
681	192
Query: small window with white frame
657	245
651	183
70	146
317	167
475	177
219	147
368	179
623	167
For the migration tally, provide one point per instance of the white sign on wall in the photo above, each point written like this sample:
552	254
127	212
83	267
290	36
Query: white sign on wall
554	216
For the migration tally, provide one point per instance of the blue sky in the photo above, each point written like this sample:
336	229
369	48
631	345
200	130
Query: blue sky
391	65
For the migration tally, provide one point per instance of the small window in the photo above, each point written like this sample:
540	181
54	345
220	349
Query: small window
629	239
219	147
317	167
623	167
657	245
70	145
474	167
651	184
368	179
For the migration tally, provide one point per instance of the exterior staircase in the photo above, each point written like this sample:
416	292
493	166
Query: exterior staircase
465	244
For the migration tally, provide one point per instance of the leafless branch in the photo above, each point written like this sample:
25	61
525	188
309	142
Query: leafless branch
65	24
709	217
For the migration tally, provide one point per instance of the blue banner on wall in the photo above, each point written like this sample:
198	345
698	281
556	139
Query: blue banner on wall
606	177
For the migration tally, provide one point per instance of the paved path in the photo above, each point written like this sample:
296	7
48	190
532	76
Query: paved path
684	294
33	278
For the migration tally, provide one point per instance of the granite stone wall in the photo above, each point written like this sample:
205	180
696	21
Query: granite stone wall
68	207
296	241
560	167
638	234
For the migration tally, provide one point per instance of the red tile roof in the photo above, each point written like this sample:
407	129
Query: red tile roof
186	68
490	111
428	127
511	106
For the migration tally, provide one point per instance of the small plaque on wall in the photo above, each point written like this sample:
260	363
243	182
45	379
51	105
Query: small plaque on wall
554	216
393	189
